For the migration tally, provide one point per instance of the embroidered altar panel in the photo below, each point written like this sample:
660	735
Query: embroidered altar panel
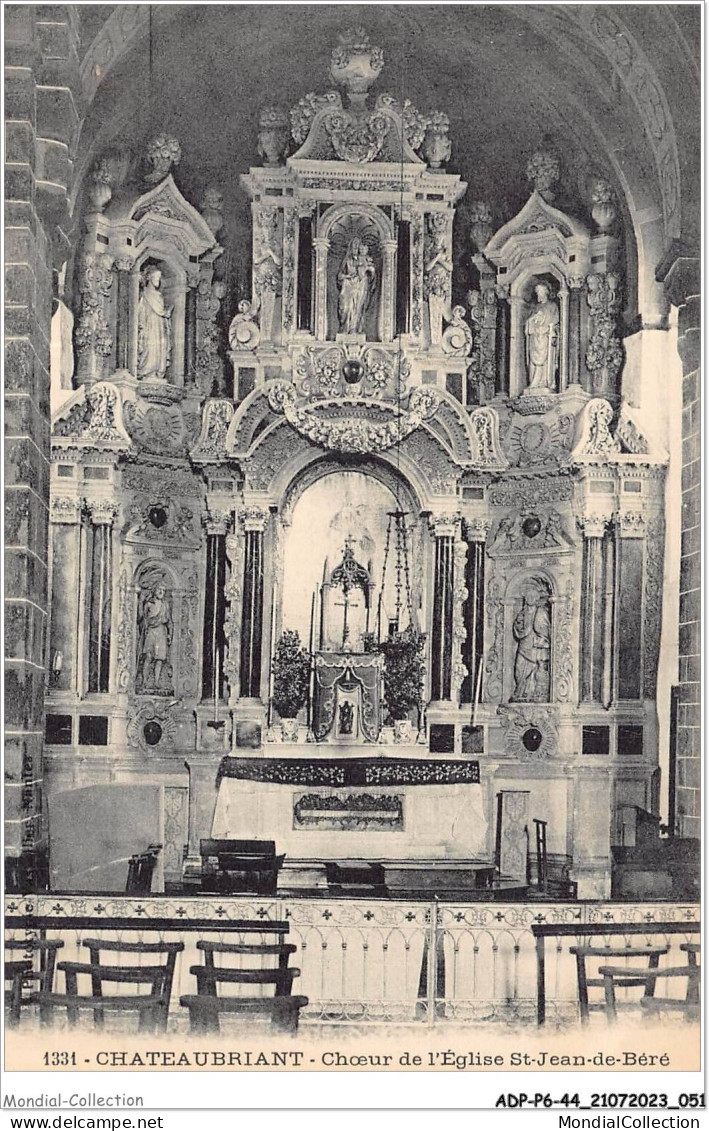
352	771
347	695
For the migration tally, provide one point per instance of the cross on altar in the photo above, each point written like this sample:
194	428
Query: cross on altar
345	606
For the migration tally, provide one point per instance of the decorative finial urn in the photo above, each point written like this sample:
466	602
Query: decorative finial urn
436	143
544	170
100	187
161	154
273	128
603	201
480	224
356	63
211	209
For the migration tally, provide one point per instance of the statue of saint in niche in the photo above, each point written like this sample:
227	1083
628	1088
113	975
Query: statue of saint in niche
532	631
346	719
541	334
355	280
154	329
154	674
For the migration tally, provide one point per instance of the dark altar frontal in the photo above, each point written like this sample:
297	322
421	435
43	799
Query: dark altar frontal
421	819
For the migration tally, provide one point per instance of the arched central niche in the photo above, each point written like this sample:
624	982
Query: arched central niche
344	509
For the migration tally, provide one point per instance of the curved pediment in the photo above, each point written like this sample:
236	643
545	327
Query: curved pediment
537	215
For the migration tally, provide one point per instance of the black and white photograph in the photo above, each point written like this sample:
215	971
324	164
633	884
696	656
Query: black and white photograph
352	547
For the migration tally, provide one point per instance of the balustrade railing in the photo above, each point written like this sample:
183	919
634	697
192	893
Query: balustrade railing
378	960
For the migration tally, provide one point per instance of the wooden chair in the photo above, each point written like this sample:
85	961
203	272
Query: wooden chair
206	1005
690	1005
249	866
281	951
151	1007
627	975
170	949
20	971
140	870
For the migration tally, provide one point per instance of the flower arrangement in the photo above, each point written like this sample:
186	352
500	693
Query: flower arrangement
291	675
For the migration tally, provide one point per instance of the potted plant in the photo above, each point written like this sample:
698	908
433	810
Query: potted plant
403	679
291	677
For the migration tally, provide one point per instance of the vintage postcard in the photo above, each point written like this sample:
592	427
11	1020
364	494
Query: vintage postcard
352	534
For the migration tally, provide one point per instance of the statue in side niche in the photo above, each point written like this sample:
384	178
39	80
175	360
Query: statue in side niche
355	280
532	631
155	640
541	334
154	328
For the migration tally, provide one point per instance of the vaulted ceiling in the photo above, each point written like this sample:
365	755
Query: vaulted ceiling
506	75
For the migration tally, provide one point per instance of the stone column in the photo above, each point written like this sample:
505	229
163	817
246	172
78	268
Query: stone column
123	268
681	274
475	530
254	521
575	305
65	552
502	341
445	530
216	524
41	126
322	247
389	248
191	333
563	339
102	515
596	643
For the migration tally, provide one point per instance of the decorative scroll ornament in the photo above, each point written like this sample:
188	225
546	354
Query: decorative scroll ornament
604	354
630	435
92	337
531	732
232	617
152	728
496	632
124	635
457	338
302	115
95	417
355	434
244	333
564	659
354	138
414	122
216	419
210	375
595	440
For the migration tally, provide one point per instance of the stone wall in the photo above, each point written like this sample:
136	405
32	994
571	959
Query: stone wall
41	126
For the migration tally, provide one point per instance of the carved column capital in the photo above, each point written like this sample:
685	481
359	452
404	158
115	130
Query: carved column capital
102	512
476	529
124	263
631	524
253	519
321	244
445	525
594	524
65	508
217	521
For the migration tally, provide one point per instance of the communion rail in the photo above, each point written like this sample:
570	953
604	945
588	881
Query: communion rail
378	960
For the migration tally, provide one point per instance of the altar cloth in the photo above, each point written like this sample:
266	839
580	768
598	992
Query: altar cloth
363	808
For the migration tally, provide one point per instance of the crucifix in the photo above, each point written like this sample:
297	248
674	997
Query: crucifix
349	575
